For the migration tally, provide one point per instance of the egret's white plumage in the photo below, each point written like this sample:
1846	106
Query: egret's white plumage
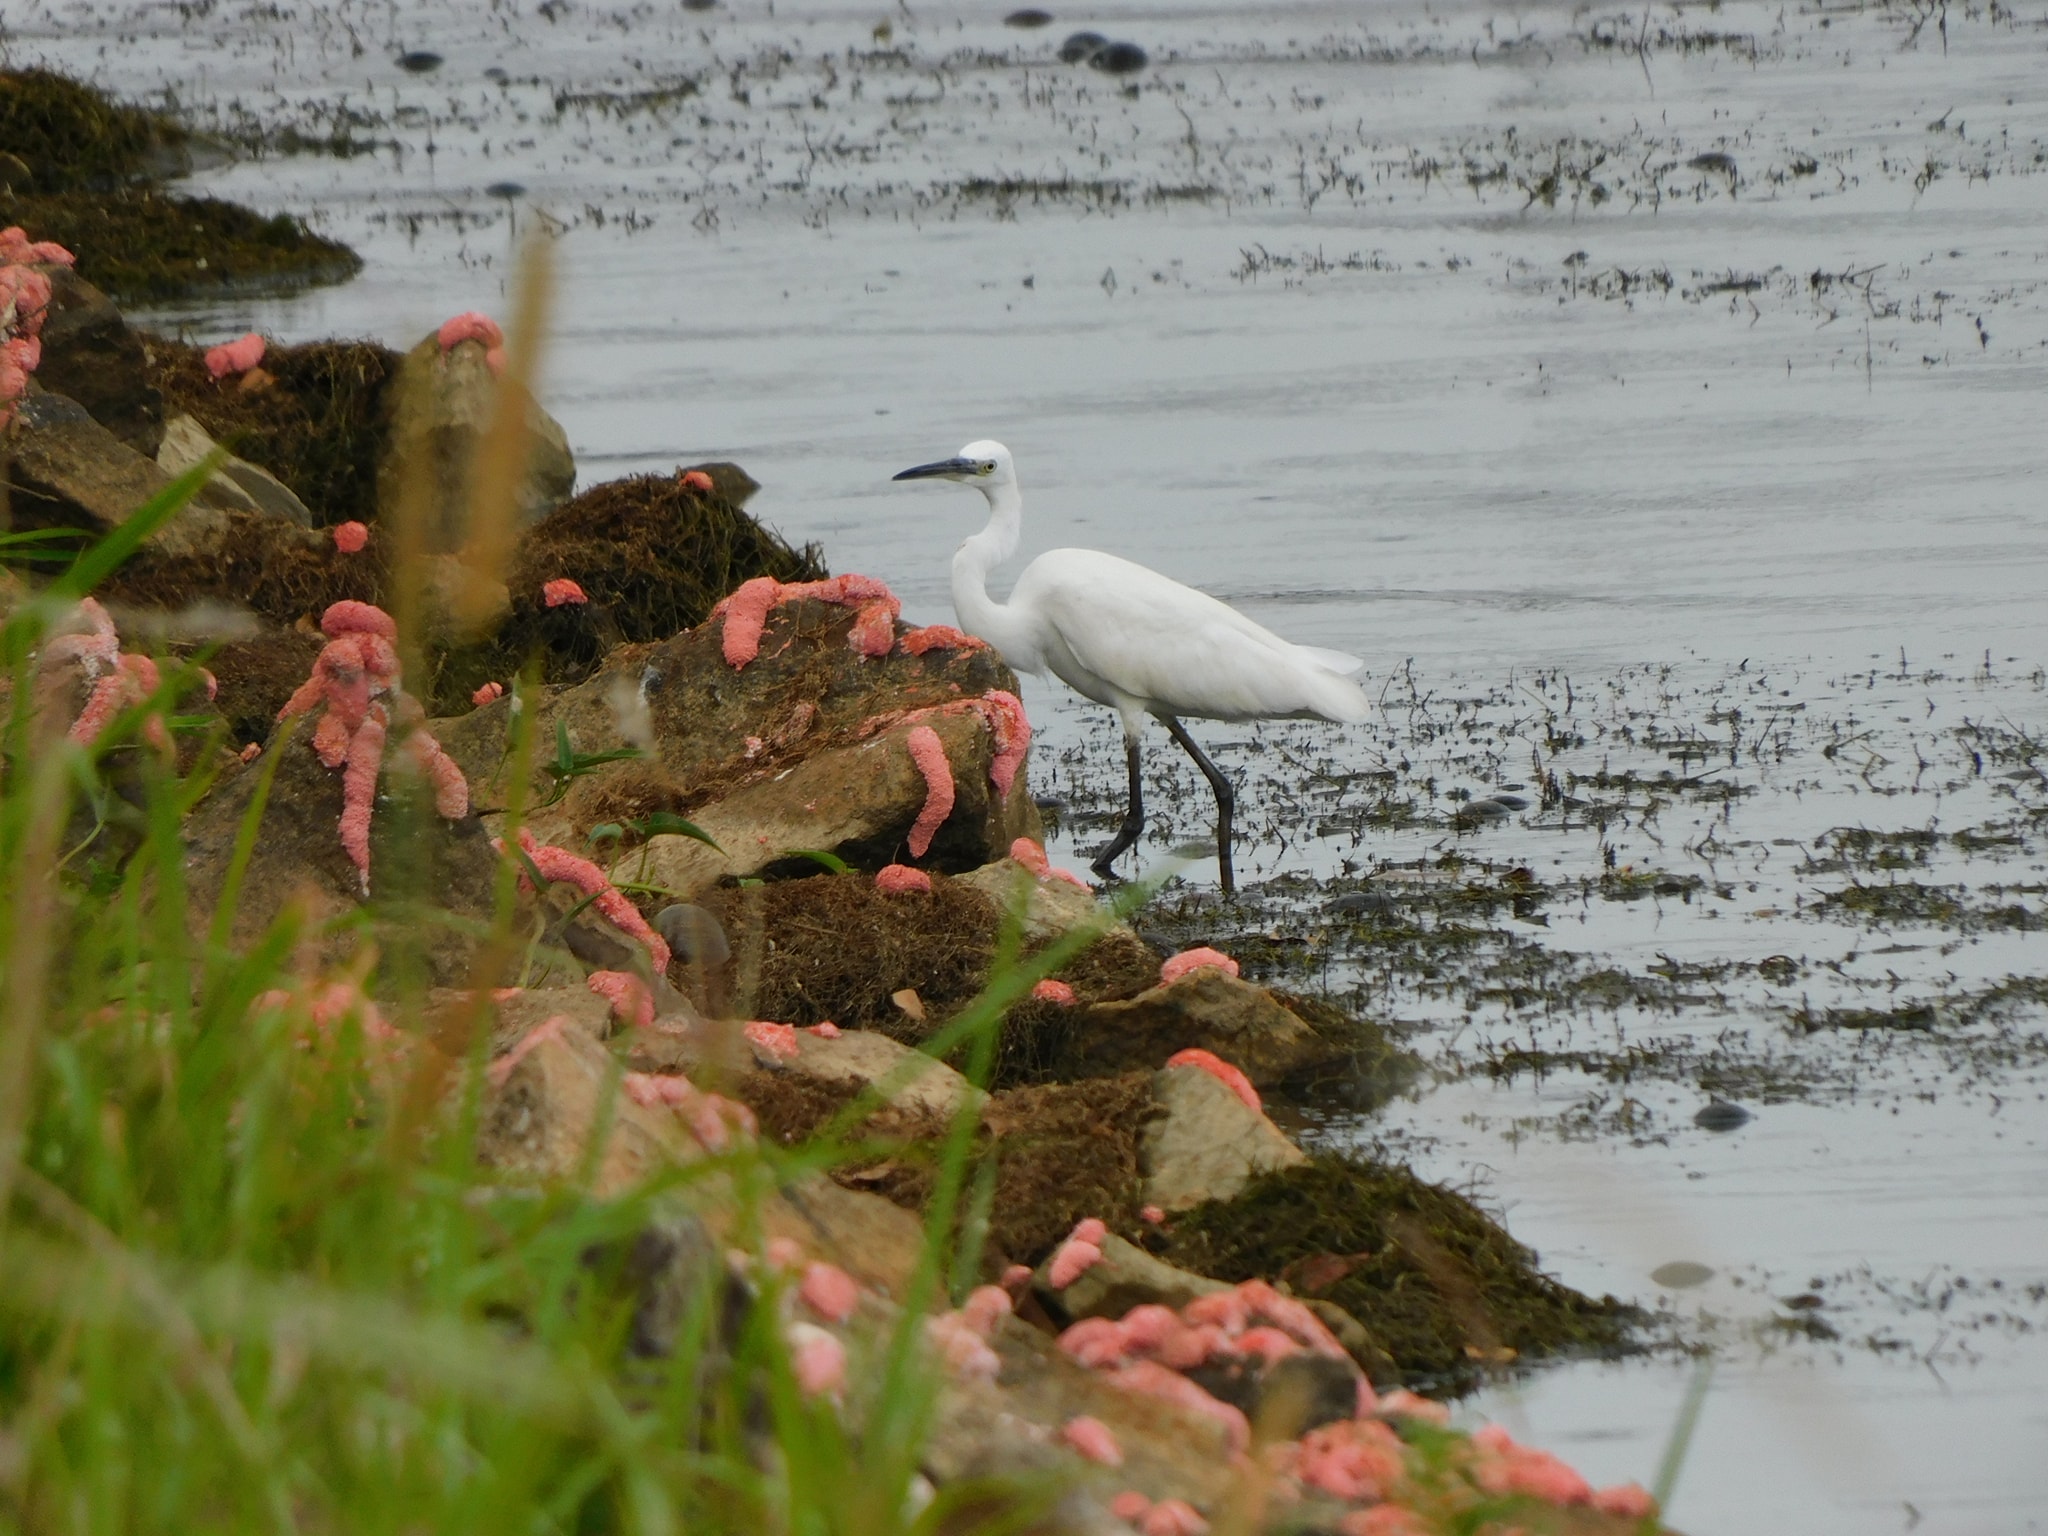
1128	637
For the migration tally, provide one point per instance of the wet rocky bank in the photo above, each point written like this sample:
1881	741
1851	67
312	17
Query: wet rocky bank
770	841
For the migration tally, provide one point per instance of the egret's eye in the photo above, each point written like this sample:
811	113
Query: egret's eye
987	467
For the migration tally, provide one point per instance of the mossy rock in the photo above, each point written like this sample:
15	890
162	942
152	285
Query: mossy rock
1442	1288
320	427
142	245
652	557
833	947
70	137
1061	1151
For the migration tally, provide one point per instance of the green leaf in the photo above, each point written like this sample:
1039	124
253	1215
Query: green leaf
604	830
669	822
831	861
565	754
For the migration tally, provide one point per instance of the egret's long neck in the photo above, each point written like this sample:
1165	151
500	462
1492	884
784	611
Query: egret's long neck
980	614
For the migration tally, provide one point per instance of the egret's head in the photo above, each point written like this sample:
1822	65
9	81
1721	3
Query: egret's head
985	465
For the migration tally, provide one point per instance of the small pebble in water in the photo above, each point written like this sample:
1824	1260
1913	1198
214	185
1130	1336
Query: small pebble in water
506	189
1051	803
1118	59
1360	901
1720	1115
699	5
1681	1274
419	62
1475	812
1028	19
1082	46
1511	802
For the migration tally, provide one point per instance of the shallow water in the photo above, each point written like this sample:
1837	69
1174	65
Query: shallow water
1733	479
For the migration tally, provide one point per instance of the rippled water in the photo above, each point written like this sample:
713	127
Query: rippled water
1424	332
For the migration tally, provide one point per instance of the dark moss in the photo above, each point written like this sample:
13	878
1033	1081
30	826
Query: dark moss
272	568
1062	1151
70	137
652	556
1439	1285
1066	1151
256	677
320	427
656	554
833	947
143	245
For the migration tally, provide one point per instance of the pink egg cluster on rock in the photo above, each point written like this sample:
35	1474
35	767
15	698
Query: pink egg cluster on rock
929	753
715	1121
237	356
745	612
562	592
351	537
355	685
560	864
1224	1073
631	1002
479	328
118	679
24	304
902	880
1032	856
1188	961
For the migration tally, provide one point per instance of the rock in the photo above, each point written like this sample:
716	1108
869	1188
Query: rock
512	1016
877	1243
238	485
1720	1115
1118	58
1208	1144
444	405
91	356
1126	1276
68	470
540	1123
664	1269
1240	1022
1052	908
1310	1389
910	1079
712	734
728	481
297	863
858	800
989	1428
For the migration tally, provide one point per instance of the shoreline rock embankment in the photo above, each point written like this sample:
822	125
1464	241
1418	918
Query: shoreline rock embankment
758	838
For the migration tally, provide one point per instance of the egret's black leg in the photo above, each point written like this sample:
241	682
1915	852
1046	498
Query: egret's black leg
1134	815
1226	799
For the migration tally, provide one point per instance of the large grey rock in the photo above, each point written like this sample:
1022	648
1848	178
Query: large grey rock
91	356
444	404
865	793
69	471
238	485
1207	1143
907	1079
770	758
1052	907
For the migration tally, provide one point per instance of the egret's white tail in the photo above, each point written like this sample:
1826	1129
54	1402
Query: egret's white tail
1332	661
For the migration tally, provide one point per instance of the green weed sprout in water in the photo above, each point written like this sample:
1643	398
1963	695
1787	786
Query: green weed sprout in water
248	1284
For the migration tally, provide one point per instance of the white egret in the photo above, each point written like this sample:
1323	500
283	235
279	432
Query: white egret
1135	640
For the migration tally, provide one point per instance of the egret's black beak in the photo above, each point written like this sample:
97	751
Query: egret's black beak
940	470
